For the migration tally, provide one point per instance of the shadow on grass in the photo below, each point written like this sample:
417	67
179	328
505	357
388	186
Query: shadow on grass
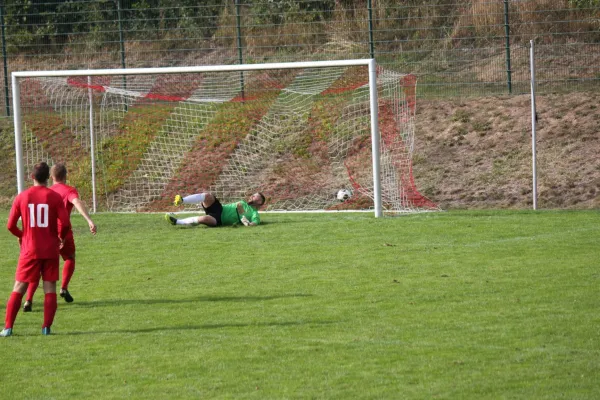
197	327
183	328
218	227
121	302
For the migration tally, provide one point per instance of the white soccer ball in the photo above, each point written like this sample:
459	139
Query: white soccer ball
343	194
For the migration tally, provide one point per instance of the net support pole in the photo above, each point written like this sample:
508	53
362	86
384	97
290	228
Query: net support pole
18	134
533	125
375	137
92	144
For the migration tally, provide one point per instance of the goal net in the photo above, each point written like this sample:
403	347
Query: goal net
297	132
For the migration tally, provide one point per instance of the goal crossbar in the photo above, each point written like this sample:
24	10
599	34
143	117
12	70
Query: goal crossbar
191	69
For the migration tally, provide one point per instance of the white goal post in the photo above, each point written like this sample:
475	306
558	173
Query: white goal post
91	102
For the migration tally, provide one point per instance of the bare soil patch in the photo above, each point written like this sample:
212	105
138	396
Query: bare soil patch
477	153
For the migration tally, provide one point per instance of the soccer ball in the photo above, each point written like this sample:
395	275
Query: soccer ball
343	194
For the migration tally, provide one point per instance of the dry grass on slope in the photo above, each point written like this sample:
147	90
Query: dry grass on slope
476	153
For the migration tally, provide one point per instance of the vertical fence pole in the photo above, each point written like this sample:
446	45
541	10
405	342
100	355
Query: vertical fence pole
507	46
239	43
533	124
121	41
5	59
371	44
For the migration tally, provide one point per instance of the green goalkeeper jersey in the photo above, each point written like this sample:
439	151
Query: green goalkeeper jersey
230	215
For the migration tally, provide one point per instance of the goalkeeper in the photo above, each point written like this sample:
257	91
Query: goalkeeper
241	212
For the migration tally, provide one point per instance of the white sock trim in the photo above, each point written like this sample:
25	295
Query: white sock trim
194	198
188	221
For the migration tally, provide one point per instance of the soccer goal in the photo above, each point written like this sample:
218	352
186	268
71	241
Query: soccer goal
301	133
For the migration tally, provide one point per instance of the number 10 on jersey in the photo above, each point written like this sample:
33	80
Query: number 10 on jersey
38	216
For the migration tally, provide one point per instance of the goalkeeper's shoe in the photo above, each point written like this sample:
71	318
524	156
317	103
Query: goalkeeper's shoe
64	293
6	332
170	218
27	306
46	330
178	200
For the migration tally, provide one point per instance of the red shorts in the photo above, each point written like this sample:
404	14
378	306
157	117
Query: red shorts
68	249
30	270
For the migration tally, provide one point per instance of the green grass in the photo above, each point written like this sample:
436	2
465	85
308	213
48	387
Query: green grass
449	305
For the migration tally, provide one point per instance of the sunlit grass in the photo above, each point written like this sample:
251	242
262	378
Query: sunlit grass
479	305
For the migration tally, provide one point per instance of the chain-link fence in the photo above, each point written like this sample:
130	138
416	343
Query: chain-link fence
456	48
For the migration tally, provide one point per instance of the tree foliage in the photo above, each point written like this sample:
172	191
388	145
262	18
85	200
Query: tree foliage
42	26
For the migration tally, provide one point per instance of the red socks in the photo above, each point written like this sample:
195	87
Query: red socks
31	290
49	309
67	272
12	308
14	304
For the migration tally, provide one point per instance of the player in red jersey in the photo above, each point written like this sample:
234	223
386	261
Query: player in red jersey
71	199
39	209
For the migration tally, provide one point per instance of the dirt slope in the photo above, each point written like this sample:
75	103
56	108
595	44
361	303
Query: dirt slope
477	153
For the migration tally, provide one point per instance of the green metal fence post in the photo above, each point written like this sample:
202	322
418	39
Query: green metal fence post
5	60
371	44
239	43
507	36
121	40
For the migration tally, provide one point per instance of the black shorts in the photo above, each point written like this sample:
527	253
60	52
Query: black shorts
215	210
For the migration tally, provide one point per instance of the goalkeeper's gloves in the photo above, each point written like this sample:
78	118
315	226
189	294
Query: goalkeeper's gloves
245	221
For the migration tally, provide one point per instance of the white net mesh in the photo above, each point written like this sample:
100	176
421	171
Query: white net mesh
296	135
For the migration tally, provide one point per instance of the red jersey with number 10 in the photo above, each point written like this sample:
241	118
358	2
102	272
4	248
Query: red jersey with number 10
40	209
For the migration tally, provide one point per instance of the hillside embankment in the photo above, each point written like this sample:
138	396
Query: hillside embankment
477	153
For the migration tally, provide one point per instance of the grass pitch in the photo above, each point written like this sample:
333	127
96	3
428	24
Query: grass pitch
469	305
